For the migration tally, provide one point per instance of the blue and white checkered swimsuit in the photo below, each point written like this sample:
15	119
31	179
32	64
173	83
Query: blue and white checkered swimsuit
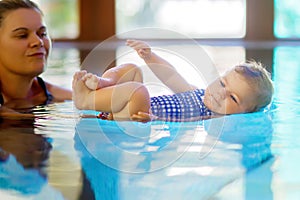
180	106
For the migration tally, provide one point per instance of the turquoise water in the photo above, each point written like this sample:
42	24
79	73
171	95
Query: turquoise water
278	178
60	155
129	160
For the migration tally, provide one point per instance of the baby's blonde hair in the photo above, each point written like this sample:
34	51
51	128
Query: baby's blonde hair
260	81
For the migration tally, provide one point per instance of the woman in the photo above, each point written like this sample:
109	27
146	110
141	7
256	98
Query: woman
25	46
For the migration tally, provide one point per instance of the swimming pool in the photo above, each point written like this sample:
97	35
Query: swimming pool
60	155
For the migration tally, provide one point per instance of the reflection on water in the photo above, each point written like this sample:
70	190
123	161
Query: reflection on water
23	159
18	138
279	177
286	138
37	159
23	156
88	157
133	160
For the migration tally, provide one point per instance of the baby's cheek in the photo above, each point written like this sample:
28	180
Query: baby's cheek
208	103
231	108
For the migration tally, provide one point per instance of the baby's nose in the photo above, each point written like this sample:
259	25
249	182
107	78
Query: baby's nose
222	93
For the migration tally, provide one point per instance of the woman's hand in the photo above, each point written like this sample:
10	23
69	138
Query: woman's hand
141	47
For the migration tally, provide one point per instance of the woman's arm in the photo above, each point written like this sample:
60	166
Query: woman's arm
160	67
59	93
10	113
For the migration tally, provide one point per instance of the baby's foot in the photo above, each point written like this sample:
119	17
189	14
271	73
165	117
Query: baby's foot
92	81
81	93
77	76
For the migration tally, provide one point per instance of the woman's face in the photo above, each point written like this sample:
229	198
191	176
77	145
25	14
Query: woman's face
24	43
230	94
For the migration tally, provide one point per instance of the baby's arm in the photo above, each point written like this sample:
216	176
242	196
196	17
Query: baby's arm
160	67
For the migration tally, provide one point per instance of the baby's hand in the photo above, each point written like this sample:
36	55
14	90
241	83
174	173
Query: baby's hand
141	47
143	117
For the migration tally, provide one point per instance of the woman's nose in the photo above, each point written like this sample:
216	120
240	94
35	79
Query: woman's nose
36	41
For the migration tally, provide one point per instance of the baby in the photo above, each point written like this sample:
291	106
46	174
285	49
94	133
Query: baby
120	91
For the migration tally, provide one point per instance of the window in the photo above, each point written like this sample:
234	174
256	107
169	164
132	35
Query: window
286	18
62	17
194	18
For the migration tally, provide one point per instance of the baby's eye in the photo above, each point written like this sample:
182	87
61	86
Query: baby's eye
233	98
222	83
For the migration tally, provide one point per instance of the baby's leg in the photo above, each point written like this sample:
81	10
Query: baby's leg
80	91
123	73
113	76
127	99
122	100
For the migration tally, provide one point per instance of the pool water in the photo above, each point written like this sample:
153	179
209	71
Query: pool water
62	155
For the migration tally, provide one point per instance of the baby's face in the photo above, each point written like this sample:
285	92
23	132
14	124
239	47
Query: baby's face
229	94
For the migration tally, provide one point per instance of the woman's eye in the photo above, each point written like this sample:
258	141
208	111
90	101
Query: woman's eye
22	36
43	34
233	98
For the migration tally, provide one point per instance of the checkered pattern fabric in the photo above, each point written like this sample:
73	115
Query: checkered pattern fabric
180	106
